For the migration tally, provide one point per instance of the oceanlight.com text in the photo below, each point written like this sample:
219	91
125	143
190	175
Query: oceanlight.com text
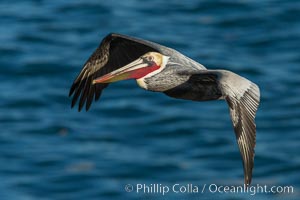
164	189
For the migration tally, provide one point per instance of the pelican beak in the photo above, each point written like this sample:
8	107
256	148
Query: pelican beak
135	69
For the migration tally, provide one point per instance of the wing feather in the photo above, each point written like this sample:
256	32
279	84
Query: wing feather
114	52
242	111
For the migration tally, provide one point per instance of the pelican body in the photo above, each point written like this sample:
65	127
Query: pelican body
161	69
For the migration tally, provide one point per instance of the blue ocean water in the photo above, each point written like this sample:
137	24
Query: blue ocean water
48	151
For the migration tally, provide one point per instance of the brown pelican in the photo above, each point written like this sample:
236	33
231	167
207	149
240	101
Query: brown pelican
161	69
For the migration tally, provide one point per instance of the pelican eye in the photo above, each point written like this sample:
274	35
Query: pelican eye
150	58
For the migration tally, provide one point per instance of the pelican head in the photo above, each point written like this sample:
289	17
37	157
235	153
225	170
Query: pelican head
149	64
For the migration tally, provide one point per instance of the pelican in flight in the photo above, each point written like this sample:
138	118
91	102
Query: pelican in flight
161	69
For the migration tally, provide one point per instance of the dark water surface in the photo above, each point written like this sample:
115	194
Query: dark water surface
48	151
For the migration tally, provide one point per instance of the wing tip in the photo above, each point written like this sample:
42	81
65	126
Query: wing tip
248	181
71	91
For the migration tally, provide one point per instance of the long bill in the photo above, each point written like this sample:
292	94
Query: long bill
134	69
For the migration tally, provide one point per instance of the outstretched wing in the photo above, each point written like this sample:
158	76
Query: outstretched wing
114	51
243	107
